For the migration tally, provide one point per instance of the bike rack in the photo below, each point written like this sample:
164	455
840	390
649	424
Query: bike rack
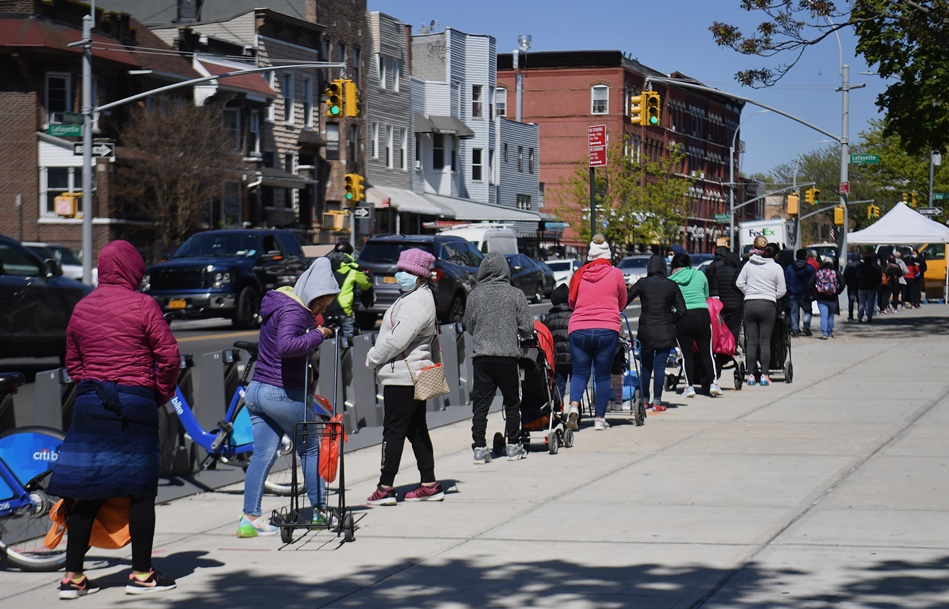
54	394
448	340
370	412
177	449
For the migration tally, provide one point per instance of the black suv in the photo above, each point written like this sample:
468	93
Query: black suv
454	273
224	273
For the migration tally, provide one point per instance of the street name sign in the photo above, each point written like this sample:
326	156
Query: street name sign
722	217
865	158
596	141
940	196
65	130
101	149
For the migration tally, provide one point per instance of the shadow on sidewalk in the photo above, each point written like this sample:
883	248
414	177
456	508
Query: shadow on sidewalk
899	326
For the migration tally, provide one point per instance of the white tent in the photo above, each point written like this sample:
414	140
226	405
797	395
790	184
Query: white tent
900	225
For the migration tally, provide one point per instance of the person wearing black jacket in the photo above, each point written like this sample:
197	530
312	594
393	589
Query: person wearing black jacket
869	277
721	284
558	318
850	280
662	306
798	277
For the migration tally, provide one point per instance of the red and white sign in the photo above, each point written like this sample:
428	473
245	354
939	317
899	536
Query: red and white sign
844	188
596	140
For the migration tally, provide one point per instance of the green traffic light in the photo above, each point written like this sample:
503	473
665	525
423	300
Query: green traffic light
334	110
653	120
349	195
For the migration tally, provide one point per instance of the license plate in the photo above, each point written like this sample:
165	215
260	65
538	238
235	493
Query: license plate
177	304
388	279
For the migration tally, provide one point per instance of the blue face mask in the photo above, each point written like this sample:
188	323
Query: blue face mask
406	281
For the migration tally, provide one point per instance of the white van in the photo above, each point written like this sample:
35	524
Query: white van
487	237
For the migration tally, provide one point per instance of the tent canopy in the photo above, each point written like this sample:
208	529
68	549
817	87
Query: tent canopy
901	225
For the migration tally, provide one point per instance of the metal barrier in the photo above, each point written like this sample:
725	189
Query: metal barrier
364	385
53	397
178	453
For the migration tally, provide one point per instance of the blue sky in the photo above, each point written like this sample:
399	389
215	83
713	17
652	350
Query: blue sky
677	39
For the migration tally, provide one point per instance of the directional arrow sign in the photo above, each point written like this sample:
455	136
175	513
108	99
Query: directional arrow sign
361	212
930	211
102	149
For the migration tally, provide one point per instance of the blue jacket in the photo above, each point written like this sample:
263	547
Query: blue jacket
798	277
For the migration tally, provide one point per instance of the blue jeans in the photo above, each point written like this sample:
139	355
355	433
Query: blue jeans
273	412
798	303
654	367
867	303
593	348
827	311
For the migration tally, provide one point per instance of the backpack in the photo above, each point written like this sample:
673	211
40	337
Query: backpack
826	282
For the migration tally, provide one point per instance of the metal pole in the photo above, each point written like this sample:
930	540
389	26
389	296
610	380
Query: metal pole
593	230
19	206
844	156
931	164
87	244
731	194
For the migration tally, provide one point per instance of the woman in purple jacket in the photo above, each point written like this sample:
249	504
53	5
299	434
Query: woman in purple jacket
276	398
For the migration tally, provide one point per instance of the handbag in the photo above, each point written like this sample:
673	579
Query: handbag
430	381
333	432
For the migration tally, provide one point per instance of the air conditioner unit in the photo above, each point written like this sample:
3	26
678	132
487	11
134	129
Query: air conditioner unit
418	165
334	221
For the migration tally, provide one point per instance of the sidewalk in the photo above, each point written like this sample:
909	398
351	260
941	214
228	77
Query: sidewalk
827	492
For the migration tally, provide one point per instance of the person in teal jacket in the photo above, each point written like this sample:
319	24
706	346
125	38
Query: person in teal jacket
694	329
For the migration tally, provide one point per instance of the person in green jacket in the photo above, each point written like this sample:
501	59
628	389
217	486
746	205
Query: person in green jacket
349	278
694	329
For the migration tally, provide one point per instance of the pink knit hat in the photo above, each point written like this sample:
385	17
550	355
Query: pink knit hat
415	261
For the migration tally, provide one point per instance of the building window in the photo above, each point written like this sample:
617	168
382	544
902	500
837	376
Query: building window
524	202
58	95
491	165
418	154
389	160
307	85
520	159
351	142
530	160
253	133
477	168
600	99
288	162
500	102
477	101
327	45
403	149
287	90
396	74
438	151
332	141
54	182
456	98
454	156
374	141
381	65
357	56
231	118
341	52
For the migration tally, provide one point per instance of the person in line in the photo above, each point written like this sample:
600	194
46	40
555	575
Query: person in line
403	347
721	275
850	281
762	282
799	277
494	316
124	361
919	258
695	327
597	295
558	322
828	284
869	277
911	280
662	306
277	395
349	278
891	293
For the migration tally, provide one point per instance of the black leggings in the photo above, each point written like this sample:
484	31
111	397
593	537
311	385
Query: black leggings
696	327
759	325
404	419
141	528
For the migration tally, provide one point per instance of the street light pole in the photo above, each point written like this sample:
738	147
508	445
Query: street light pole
731	181
87	246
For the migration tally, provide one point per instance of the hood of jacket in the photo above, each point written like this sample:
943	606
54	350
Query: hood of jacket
722	252
800	264
560	294
120	264
656	265
494	269
683	276
597	270
278	299
732	259
756	259
316	281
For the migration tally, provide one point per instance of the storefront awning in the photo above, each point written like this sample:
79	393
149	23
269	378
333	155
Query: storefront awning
404	201
447	125
278	178
466	209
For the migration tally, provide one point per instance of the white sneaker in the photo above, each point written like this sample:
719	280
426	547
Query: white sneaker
715	391
689	392
600	425
573	418
482	455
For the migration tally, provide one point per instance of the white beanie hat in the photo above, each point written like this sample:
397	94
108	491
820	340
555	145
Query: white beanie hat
599	248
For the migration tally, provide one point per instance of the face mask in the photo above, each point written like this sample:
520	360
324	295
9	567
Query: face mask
406	281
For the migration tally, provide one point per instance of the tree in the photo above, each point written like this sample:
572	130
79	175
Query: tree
907	40
181	158
641	201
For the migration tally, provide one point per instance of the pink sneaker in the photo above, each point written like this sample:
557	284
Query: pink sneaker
426	493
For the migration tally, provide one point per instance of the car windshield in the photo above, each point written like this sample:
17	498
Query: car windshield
634	263
388	251
66	255
218	246
559	265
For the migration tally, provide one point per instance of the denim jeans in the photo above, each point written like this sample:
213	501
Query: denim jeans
654	367
273	413
827	311
867	303
797	304
593	348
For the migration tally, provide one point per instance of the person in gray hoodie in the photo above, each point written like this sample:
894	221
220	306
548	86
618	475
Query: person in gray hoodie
495	314
762	282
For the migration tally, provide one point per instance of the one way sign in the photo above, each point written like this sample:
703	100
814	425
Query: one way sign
102	150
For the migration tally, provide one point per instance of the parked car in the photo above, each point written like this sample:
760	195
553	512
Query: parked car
527	276
699	259
225	273
634	268
454	274
563	270
67	257
36	302
549	281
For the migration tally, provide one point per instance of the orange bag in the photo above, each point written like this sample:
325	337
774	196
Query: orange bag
110	529
329	448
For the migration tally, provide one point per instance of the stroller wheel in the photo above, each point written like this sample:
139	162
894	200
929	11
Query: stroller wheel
671	382
499	445
739	379
640	413
568	438
553	443
789	372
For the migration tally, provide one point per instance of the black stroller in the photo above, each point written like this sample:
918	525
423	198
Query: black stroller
780	348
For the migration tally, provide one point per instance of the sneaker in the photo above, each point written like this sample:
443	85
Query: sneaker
68	589
765	381
689	392
382	497
573	418
254	528
807	332
321	518
482	455
155	582
516	452
825	337
750	381
600	424
426	493
715	391
658	407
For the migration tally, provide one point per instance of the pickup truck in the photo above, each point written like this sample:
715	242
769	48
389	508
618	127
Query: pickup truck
225	273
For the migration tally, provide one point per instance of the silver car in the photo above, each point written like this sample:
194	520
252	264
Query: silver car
634	268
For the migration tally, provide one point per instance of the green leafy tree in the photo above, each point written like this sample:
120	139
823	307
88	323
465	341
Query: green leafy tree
906	40
640	201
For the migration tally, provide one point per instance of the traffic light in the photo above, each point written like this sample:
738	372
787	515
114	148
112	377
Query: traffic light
909	198
653	108
350	98
793	204
812	196
839	215
334	99
873	212
636	110
355	191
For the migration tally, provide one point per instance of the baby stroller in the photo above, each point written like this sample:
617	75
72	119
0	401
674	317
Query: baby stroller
780	348
541	403
627	394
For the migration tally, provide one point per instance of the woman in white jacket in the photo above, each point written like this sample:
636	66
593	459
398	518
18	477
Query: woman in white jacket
761	280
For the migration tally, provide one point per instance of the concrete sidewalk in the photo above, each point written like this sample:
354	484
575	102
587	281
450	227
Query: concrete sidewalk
827	492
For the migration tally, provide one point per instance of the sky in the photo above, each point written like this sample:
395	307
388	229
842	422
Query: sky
672	36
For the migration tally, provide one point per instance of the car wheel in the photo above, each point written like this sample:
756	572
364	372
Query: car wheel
456	313
366	321
248	309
